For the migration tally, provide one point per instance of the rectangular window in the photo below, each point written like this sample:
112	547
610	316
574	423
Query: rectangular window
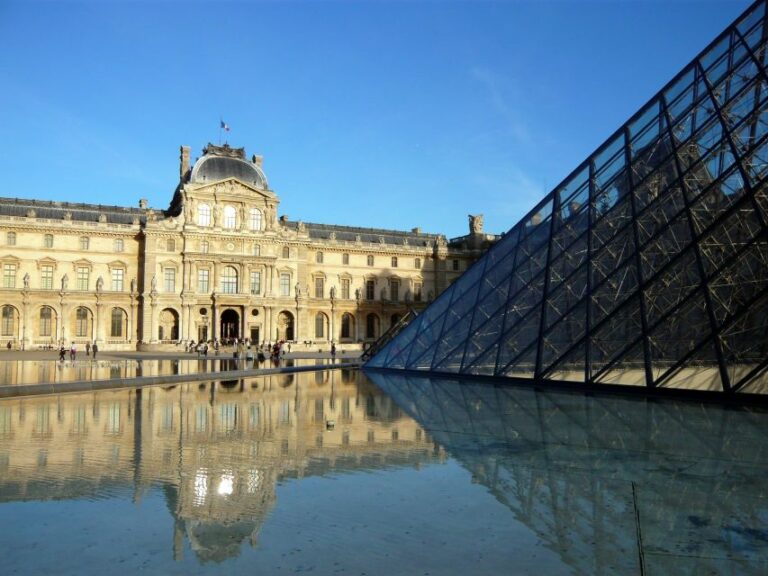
394	261
255	282
117	279
455	264
256	250
9	275
394	286
10	238
345	259
48	241
370	260
169	279
319	257
285	284
84	242
345	288
204	247
119	245
46	277
319	287
82	278
370	288
417	292
417	263
202	281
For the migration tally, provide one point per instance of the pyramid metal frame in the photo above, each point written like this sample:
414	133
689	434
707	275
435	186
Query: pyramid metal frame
647	266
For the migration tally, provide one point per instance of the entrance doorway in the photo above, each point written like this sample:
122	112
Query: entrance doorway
285	326
230	325
254	335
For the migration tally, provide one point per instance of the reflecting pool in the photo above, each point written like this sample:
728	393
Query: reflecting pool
328	472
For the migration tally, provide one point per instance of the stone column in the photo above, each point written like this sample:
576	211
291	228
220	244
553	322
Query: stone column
132	336
97	328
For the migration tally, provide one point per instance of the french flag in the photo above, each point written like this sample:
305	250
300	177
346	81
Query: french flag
225	126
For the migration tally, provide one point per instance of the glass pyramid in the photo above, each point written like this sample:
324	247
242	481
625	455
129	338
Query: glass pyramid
647	266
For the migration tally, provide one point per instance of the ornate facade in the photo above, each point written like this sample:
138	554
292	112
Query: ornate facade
219	263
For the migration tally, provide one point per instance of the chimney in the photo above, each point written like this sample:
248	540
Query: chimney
258	160
416	230
184	167
143	203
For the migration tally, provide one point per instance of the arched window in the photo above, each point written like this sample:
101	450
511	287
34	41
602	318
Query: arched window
8	325
229	280
203	215
286	252
346	325
81	322
320	321
46	321
371	325
230	217
255	219
118	317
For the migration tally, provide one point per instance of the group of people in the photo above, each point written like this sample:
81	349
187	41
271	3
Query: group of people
73	351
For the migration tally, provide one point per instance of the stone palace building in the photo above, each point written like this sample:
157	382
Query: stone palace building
218	263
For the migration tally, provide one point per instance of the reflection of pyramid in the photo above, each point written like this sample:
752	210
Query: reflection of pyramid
613	484
647	266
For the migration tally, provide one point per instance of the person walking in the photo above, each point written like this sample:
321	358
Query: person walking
62	353
87	348
95	349
73	352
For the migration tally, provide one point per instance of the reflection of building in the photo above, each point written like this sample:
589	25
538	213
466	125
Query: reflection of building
647	266
218	263
608	481
218	449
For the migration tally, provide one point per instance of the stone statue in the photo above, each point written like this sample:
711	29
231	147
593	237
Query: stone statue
64	282
357	294
26	281
99	284
153	284
298	290
476	224
133	285
384	293
333	292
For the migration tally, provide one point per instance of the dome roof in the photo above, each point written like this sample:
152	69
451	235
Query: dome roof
219	164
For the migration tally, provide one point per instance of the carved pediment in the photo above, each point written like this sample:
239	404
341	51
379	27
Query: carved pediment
117	264
46	262
230	186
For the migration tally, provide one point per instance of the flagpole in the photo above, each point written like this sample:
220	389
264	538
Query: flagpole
220	123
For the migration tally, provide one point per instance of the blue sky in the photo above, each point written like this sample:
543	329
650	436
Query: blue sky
377	114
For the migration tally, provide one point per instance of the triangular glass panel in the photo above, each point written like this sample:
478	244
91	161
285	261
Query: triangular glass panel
649	262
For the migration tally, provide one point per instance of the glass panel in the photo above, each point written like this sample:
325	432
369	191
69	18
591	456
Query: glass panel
752	21
756	163
480	340
629	370
673	240
612	256
700	371
564	335
730	235
660	213
745	341
679	333
566	296
615	290
615	334
614	221
564	266
740	282
517	340
671	287
522	367
571	367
